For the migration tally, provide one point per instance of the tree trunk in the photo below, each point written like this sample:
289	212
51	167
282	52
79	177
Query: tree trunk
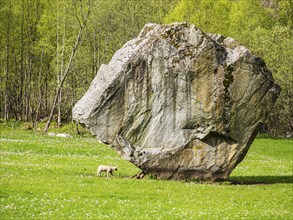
21	71
6	99
60	76
7	61
64	75
40	92
58	90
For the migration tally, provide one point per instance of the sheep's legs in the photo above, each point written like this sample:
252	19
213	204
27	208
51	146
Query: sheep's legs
99	174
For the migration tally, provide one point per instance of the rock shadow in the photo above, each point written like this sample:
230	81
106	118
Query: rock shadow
260	180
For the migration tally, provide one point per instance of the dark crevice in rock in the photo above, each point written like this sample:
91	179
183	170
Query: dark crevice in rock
215	139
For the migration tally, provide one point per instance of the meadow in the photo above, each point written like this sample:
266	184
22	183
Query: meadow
44	177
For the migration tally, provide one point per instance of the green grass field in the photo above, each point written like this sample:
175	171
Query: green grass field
44	177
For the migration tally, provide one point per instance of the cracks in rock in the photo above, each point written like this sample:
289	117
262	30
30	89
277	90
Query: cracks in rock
176	88
227	82
214	139
188	97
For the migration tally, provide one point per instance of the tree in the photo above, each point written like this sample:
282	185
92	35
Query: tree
20	20
82	21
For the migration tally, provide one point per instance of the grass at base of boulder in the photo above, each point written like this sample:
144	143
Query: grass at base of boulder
55	178
71	128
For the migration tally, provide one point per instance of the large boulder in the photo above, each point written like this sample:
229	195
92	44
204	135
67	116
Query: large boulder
179	103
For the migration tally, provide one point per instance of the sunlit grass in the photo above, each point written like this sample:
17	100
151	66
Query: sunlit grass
55	178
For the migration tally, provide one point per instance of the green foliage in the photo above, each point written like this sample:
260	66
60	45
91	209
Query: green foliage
37	37
205	14
278	54
49	177
36	41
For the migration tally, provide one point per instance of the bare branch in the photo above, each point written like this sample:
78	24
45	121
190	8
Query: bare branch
67	70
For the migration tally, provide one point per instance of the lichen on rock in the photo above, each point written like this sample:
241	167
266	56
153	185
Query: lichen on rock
179	103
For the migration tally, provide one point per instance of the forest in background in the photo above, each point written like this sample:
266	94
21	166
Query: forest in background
53	47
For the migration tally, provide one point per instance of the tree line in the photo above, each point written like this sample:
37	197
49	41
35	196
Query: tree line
51	50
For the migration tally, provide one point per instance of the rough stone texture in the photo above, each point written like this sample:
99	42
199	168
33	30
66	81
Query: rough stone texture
179	103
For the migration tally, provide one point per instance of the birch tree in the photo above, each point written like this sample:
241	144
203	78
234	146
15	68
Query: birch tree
82	19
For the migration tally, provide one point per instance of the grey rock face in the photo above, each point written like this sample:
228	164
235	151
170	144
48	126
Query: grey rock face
179	103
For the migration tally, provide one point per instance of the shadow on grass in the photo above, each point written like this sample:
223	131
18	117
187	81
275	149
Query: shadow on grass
255	180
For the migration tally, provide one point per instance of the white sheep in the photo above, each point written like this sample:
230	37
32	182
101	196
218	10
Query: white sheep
108	169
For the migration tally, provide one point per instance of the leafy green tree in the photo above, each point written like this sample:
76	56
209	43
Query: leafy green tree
208	15
81	13
19	19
